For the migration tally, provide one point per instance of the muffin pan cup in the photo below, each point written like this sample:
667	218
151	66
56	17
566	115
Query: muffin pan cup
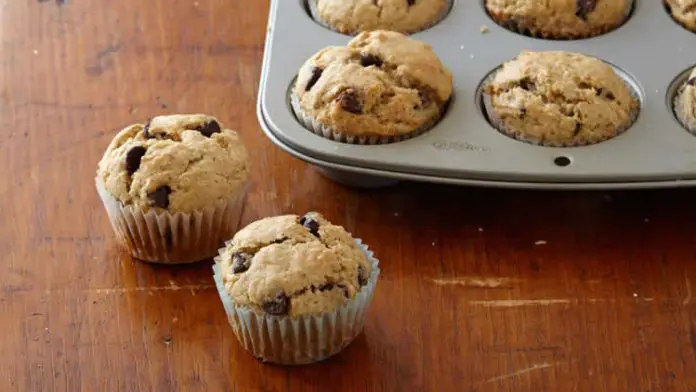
650	52
304	339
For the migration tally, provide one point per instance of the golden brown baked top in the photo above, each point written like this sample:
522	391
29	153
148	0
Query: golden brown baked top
381	83
292	265
179	163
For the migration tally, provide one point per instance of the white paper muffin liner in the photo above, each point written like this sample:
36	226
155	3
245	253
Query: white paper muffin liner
314	13
304	339
498	124
312	125
173	238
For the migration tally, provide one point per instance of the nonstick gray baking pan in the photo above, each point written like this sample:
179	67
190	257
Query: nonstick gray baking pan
650	51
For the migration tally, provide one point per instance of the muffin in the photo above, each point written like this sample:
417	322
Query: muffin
560	19
684	12
382	87
559	99
685	103
354	16
295	289
174	188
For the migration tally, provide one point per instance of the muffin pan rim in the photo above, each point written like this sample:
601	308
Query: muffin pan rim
444	151
336	171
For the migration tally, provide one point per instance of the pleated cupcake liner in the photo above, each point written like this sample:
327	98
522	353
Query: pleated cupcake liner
314	126
173	238
304	339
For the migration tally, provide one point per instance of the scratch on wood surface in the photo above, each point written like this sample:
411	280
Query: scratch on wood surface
516	303
538	366
193	288
688	291
474	281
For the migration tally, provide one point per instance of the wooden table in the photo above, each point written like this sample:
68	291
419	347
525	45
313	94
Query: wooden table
482	290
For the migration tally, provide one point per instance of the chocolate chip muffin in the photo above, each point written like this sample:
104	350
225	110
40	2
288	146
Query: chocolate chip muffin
295	276
684	12
174	187
560	19
354	16
685	103
382	87
559	99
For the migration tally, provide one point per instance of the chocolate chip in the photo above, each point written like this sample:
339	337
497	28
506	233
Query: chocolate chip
310	224
578	128
606	94
411	2
133	158
584	7
349	101
691	82
316	74
523	113
568	111
160	197
330	286
368	59
146	132
527	84
241	261
303	291
424	98
344	288
208	129
362	276
278	306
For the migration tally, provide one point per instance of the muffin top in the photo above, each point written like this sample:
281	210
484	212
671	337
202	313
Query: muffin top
291	265
559	98
381	84
686	103
560	19
684	11
354	16
179	163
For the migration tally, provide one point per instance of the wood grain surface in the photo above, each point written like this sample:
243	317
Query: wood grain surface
482	290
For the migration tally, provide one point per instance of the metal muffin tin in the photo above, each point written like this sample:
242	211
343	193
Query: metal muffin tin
650	51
